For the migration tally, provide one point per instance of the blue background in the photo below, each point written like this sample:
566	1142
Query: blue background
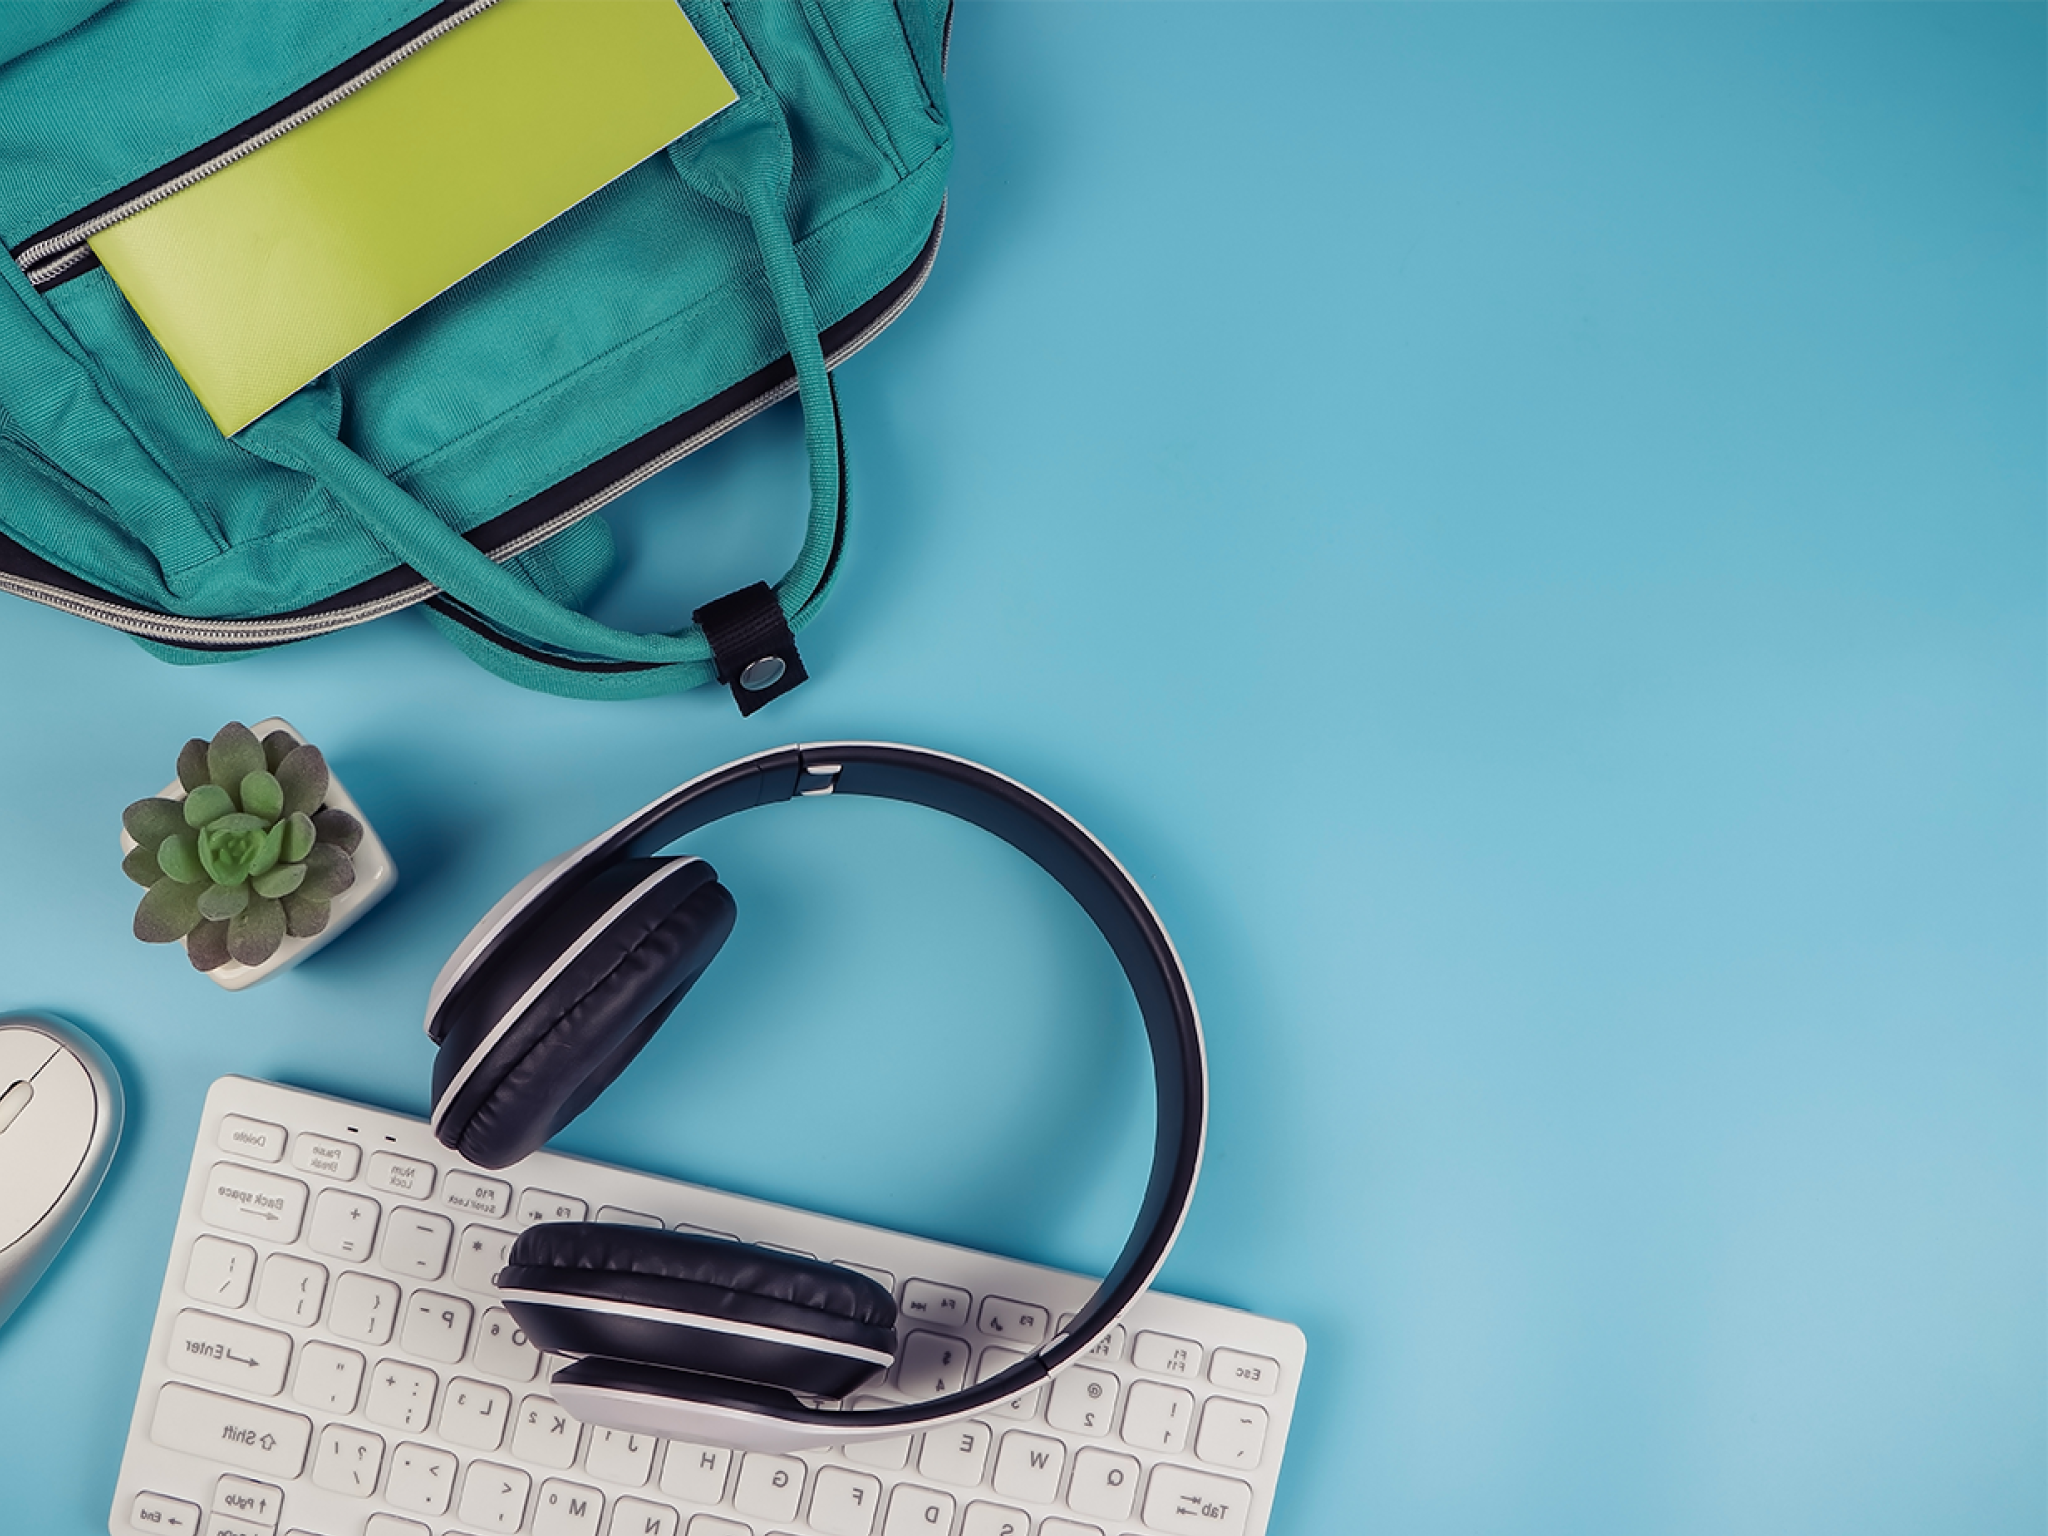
1524	528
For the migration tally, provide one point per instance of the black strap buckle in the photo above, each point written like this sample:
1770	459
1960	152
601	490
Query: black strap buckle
751	645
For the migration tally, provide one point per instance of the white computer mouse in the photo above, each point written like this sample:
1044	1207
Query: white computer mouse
60	1118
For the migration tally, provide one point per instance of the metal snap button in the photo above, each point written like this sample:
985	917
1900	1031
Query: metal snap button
765	673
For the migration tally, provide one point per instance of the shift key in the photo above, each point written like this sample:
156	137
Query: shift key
230	1431
240	1199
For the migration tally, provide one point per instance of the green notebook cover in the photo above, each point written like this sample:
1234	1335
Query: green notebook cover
260	277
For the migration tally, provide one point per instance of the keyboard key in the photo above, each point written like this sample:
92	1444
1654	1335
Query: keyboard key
437	1326
545	1205
994	1520
711	1525
330	1377
1006	1319
257	1140
996	1359
240	1499
249	1359
917	1512
475	1415
291	1290
502	1347
626	1218
956	1454
638	1517
546	1433
364	1308
567	1509
479	1256
1109	1347
1057	1527
843	1503
932	1365
422	1479
226	1429
224	1525
769	1486
494	1497
407	1176
348	1461
392	1525
928	1301
160	1513
1233	1434
344	1224
416	1244
1028	1467
1083	1401
471	1194
1157	1417
1105	1483
695	1472
891	1454
401	1395
326	1155
1240	1372
1169	1356
219	1272
620	1456
1183	1502
265	1205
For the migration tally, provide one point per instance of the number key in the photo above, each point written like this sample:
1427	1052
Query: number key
1083	1401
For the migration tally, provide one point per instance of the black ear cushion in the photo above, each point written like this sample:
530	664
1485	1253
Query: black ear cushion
627	969
699	1304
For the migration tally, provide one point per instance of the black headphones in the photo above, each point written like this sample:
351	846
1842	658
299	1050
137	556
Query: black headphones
566	978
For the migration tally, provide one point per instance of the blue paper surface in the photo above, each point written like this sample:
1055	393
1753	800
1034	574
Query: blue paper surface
1527	538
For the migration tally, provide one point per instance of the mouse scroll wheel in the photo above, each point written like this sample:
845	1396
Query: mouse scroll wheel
14	1101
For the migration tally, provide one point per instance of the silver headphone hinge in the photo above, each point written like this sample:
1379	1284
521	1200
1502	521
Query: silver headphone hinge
819	779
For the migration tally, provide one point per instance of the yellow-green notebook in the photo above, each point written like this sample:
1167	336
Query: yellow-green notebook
266	273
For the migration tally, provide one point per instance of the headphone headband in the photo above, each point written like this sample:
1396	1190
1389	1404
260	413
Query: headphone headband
1084	868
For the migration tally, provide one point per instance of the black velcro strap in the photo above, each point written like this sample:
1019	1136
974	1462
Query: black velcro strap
751	645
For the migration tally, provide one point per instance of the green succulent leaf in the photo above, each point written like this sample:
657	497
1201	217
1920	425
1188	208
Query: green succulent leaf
207	946
218	903
276	747
167	913
301	832
192	765
140	866
305	917
339	828
303	775
149	822
233	754
267	855
256	931
281	881
230	848
178	857
262	795
207	803
329	872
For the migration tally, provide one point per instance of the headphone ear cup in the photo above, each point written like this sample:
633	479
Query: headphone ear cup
707	1306
540	1031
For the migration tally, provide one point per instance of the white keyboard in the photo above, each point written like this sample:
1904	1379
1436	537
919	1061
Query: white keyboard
330	1358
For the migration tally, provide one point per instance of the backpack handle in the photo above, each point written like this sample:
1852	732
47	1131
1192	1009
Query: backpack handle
743	160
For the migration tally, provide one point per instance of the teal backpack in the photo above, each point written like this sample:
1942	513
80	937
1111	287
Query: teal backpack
455	460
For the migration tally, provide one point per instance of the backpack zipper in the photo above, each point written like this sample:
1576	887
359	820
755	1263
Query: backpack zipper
50	256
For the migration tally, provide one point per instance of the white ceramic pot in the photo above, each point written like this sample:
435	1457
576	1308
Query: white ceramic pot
375	875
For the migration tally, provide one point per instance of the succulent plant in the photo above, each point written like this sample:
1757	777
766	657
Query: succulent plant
251	854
